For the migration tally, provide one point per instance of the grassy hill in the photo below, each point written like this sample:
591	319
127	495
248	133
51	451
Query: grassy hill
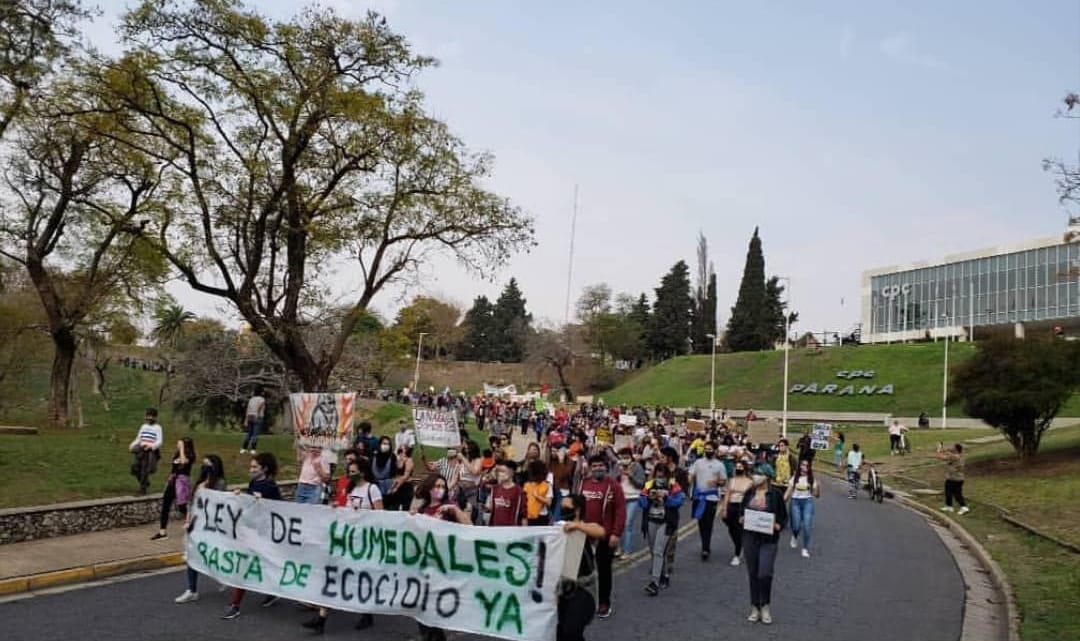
755	379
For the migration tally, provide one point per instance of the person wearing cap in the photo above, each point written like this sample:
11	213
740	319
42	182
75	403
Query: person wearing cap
759	549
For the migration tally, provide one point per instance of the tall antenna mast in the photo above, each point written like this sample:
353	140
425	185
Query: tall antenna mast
570	263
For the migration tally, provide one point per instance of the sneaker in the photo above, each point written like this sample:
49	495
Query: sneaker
652	589
254	453
232	612
805	553
604	611
766	616
794	542
269	600
755	616
159	536
187	597
735	562
243	451
704	555
964	510
947	508
665	581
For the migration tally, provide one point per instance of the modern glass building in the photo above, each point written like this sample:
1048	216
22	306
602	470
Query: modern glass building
1030	286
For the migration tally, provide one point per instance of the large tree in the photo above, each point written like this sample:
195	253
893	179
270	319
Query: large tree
72	214
1018	386
436	318
669	323
594	310
704	322
776	319
746	330
511	324
478	331
293	146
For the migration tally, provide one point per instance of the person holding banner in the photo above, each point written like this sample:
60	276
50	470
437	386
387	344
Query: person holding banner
262	469
578	597
313	474
433	500
763	515
605	505
211	476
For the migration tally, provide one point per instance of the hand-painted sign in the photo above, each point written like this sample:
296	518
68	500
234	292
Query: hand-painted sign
323	419
437	428
496	581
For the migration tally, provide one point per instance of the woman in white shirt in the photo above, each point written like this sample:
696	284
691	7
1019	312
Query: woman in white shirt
802	490
854	467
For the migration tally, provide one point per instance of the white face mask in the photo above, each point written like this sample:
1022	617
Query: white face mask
385	447
758	479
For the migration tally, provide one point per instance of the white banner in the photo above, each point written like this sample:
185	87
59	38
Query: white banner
819	437
628	420
437	428
496	581
496	390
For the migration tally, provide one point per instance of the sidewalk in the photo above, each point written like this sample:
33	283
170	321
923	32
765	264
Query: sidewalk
32	565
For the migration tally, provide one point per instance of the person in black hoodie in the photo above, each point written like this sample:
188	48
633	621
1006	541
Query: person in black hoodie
759	548
263	469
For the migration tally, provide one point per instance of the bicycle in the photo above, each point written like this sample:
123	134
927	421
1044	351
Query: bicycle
874	487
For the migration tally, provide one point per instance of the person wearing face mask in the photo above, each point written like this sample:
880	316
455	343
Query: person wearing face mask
262	469
384	466
660	499
737	487
785	463
562	475
211	477
802	490
578	597
759	548
433	500
632	479
605	505
506	503
707	476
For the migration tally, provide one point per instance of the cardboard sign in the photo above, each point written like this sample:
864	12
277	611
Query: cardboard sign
623	441
695	425
819	436
757	521
628	420
603	435
437	428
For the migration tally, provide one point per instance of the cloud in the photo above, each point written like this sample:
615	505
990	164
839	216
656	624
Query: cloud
847	38
902	47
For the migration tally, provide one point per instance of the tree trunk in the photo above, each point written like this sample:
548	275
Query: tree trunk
564	384
60	377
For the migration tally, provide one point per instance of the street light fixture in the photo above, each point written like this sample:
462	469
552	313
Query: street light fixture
419	346
712	380
787	349
945	377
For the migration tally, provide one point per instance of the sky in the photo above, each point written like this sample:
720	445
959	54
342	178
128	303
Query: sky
853	134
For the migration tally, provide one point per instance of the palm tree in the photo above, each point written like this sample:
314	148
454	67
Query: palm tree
170	320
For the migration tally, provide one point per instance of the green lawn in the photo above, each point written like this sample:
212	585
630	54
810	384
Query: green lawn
1044	576
755	379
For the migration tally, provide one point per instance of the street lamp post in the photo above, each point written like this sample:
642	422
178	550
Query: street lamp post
787	349
416	375
945	382
712	380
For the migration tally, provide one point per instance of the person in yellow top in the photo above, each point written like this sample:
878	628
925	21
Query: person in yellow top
538	493
698	446
785	464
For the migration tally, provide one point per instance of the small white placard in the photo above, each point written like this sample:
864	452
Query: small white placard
757	521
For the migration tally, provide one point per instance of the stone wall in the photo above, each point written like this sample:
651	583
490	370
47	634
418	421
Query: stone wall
80	517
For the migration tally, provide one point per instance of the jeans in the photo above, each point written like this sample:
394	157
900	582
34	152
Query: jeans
760	552
254	426
308	493
658	540
705	525
192	580
633	511
604	558
853	482
802	520
954	490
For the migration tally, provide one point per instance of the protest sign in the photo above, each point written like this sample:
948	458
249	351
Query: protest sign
758	521
624	441
603	435
499	390
629	420
695	425
437	428
496	581
323	419
819	436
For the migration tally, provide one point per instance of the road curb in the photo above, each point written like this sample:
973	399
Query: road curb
997	575
86	573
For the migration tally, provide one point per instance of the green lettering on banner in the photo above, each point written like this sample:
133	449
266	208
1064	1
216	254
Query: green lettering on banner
520	551
485	553
410	558
375	536
511	614
254	570
390	551
431	554
451	541
212	561
338	542
201	547
489	604
293	574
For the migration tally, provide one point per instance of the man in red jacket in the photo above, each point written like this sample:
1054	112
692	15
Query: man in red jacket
605	505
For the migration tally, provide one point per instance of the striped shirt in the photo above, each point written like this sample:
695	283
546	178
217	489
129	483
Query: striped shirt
150	435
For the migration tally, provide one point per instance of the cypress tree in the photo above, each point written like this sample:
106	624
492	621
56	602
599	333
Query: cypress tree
477	341
510	325
747	327
669	325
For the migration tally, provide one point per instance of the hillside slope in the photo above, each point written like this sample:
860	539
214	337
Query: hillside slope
755	380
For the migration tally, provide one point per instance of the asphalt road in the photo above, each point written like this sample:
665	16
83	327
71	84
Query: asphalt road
877	573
